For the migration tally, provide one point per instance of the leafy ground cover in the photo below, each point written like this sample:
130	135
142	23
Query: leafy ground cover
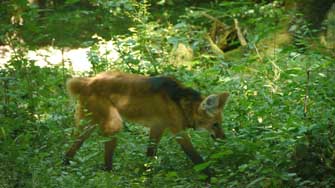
279	121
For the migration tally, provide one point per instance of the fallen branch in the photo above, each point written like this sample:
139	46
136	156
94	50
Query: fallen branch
258	54
223	25
239	34
213	46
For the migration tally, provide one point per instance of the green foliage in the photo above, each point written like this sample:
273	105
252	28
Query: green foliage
35	107
279	120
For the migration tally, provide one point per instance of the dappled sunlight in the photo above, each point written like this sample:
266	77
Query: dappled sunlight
5	52
76	59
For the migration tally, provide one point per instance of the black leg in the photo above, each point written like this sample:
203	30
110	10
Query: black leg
154	138
109	152
77	144
184	140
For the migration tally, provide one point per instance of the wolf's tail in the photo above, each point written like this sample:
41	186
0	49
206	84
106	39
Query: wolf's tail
78	86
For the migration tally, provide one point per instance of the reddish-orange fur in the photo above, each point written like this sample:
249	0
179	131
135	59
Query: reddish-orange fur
158	103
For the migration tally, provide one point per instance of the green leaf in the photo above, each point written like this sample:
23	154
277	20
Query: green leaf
202	166
255	181
221	154
243	167
172	174
72	1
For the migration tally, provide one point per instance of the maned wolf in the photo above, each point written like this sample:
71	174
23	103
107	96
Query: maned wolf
158	103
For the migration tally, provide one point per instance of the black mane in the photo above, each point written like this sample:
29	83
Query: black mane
173	88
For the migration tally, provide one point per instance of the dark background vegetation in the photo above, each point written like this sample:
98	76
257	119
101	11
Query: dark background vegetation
279	121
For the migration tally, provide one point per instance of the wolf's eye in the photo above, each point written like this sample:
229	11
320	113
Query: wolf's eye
216	125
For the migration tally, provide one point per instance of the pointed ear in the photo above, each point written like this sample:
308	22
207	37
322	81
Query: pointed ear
210	104
223	99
